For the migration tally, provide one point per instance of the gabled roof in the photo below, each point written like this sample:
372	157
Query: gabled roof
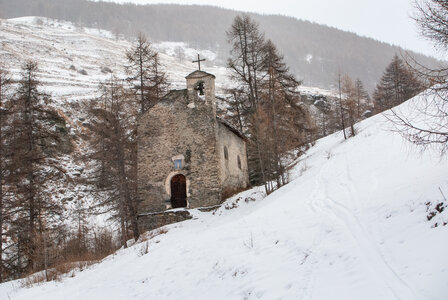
231	128
199	74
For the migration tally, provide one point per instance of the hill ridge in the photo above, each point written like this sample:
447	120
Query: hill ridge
314	52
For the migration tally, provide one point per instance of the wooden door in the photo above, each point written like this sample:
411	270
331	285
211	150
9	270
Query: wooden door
178	191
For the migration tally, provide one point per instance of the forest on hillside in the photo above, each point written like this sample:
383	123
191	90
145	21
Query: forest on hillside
315	53
58	169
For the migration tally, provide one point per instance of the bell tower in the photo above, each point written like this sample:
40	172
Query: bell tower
201	88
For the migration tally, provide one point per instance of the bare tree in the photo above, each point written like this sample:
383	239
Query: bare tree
236	110
145	73
362	99
180	53
248	69
247	60
34	166
4	84
341	106
289	121
265	104
350	102
114	150
431	17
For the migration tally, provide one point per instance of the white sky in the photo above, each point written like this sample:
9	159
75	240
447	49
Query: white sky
384	20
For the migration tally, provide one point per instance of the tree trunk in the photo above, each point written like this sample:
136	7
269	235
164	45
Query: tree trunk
1	180
341	107
29	123
125	188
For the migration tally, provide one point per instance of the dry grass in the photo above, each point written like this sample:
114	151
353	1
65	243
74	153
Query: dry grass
64	269
229	192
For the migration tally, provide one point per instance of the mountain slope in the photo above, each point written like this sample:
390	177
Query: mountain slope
351	225
314	52
72	62
63	51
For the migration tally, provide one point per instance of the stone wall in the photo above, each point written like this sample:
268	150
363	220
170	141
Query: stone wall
233	178
183	125
152	221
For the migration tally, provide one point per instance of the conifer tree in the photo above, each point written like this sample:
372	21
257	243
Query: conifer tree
289	122
4	85
265	103
34	166
247	66
114	150
247	57
145	73
397	85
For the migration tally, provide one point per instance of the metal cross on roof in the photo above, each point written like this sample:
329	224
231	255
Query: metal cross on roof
199	62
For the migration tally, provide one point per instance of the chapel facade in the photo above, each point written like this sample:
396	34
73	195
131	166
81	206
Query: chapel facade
187	156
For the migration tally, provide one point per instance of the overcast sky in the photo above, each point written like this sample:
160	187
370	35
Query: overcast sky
385	20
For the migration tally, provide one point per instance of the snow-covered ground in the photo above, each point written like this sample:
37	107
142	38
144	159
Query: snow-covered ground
73	61
351	225
63	50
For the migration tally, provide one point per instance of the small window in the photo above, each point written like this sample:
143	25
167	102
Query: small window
178	164
239	162
226	153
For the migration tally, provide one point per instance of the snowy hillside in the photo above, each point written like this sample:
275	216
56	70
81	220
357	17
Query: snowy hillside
351	225
64	51
73	61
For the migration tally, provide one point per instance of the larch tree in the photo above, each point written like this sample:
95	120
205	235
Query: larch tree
397	85
235	107
248	69
289	122
34	167
362	99
145	73
147	76
349	101
4	86
113	145
340	108
247	57
265	103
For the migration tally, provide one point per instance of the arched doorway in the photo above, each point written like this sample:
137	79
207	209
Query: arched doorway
178	191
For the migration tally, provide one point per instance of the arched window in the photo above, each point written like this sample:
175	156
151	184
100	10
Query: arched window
239	162
226	153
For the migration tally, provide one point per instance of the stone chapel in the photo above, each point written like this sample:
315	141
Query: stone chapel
187	156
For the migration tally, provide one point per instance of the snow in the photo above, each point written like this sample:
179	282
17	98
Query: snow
351	225
309	58
58	45
72	61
